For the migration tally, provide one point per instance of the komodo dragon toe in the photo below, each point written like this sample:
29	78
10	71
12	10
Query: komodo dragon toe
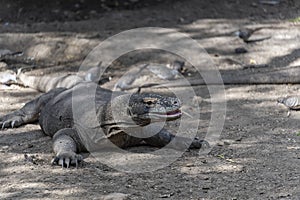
67	158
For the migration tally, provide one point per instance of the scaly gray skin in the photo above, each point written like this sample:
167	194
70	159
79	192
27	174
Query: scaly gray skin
93	74
276	76
255	76
292	103
126	81
47	83
8	77
55	115
166	73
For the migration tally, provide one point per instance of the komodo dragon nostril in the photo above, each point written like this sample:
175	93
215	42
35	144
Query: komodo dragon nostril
175	102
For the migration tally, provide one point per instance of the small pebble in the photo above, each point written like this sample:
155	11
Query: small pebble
190	164
228	142
166	195
220	144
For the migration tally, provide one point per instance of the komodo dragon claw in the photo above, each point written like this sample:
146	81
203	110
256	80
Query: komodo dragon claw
67	159
7	122
3	125
10	122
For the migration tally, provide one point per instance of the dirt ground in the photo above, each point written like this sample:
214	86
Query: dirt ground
258	152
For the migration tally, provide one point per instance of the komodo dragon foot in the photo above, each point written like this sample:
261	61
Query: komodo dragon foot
10	121
67	158
67	147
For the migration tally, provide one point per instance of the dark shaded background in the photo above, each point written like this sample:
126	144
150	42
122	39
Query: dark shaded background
27	11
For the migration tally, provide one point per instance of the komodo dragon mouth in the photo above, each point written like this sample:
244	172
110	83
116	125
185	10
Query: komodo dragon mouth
150	117
168	115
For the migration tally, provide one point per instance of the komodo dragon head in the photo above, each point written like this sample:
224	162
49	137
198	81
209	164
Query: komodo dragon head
146	108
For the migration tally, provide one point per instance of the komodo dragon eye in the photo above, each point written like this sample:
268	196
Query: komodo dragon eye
150	101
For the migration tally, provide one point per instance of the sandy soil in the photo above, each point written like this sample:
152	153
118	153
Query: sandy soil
257	156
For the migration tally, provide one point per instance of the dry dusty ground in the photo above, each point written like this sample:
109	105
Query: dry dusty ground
258	155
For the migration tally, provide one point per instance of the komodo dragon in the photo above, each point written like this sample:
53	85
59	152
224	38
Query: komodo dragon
47	83
54	112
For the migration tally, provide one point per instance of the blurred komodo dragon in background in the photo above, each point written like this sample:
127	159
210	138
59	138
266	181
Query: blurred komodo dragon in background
250	75
55	114
291	102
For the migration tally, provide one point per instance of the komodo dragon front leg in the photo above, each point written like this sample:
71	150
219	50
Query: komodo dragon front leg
29	112
65	142
67	146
